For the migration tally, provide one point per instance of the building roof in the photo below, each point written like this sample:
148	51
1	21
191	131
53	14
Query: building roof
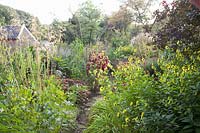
10	32
16	32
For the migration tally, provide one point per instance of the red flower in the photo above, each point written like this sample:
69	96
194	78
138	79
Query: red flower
195	3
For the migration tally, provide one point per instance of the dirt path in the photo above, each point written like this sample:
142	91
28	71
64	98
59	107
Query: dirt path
85	100
82	118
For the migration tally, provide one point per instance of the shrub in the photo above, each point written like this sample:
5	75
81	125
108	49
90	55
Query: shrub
31	99
74	64
124	52
143	45
43	111
182	27
119	40
136	102
97	62
73	93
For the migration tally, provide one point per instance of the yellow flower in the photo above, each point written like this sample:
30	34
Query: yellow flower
184	69
101	89
124	111
118	114
142	115
127	119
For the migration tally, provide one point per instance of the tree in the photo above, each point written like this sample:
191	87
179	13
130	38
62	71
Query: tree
115	28
64	31
8	16
140	10
88	18
182	28
56	30
120	19
31	22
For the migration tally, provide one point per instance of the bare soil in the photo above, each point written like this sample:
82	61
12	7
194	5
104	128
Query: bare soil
83	116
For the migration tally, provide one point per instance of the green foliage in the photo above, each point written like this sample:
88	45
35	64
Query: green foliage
73	93
140	10
143	45
46	110
31	99
150	66
88	19
140	48
137	102
104	118
74	64
119	40
124	52
10	16
160	93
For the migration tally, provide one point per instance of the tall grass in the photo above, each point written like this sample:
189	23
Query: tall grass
31	99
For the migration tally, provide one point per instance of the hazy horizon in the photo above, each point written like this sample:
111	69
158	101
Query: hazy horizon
62	10
47	11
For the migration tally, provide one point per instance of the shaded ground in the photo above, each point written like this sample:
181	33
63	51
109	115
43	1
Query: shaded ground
85	100
82	118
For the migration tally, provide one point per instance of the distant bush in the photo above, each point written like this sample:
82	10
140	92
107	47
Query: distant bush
124	52
74	64
119	40
143	43
142	38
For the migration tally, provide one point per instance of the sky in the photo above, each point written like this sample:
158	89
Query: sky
47	10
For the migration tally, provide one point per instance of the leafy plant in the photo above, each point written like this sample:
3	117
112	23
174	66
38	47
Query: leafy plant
73	93
124	52
181	29
119	40
137	102
32	100
74	64
97	63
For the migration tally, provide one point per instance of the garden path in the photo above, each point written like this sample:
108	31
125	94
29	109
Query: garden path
83	116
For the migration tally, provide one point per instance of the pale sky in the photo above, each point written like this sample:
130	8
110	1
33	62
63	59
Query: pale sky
47	10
